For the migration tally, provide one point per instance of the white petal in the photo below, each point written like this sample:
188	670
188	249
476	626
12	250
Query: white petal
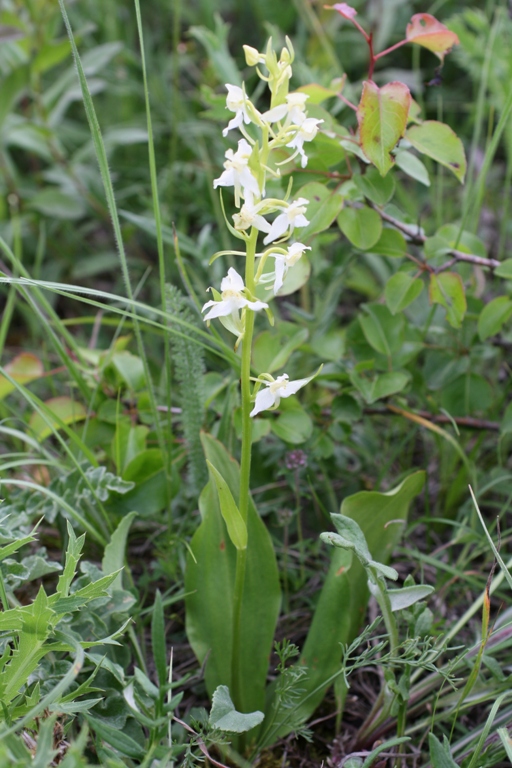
300	221
233	281
249	183
226	179
221	309
261	223
244	148
278	228
293	386
265	399
255	305
279	273
275	114
234	123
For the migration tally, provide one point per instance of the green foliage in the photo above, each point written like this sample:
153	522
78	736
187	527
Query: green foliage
188	361
108	380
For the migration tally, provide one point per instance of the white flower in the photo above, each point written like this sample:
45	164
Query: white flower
306	132
236	101
249	216
285	261
238	173
232	299
293	110
292	217
275	390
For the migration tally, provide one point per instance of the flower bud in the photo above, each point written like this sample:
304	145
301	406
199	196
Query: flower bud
285	57
252	56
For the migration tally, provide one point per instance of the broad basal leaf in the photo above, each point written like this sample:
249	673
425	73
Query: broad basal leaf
342	600
439	142
235	524
426	30
209	582
382	117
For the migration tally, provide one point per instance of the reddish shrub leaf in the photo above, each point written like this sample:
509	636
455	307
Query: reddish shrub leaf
382	116
427	31
346	10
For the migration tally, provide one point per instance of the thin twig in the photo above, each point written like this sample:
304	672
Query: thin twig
438	418
416	237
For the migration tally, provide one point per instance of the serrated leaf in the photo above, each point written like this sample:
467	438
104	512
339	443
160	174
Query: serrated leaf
224	716
73	553
10	549
235	524
438	141
382	117
426	30
440	753
362	226
493	316
447	289
401	290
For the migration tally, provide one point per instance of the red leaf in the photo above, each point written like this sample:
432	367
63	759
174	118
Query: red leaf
382	117
346	10
427	31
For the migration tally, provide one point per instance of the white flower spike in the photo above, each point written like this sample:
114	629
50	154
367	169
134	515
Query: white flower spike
292	217
270	397
232	298
237	173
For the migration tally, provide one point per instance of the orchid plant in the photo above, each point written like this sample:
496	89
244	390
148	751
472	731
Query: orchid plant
284	125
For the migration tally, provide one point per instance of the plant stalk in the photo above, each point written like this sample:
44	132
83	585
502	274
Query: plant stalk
245	470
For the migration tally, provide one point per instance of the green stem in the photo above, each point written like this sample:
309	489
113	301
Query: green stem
380	709
245	470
